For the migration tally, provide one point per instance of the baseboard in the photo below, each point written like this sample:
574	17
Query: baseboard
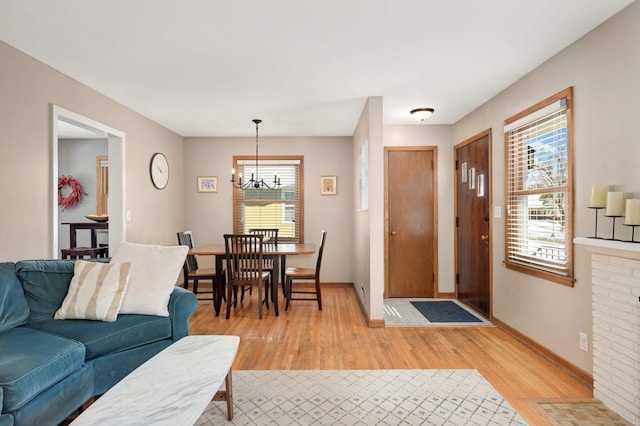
577	373
447	295
379	323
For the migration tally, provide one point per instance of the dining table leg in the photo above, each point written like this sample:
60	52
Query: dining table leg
274	284
283	269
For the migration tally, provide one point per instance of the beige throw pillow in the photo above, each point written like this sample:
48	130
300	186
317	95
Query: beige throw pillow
154	272
96	291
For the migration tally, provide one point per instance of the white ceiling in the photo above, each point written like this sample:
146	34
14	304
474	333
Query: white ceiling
305	67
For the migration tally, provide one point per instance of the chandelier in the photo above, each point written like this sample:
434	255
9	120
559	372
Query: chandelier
257	182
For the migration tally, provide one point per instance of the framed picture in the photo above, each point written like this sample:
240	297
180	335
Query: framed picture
207	183
328	185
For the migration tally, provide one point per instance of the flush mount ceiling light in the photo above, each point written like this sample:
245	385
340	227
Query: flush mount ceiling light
421	114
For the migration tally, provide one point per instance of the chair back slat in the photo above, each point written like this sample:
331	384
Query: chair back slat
270	235
185	238
244	257
323	239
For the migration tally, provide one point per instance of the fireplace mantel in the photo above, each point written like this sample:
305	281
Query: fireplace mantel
598	245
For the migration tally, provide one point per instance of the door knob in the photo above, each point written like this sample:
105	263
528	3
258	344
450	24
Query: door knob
484	237
394	233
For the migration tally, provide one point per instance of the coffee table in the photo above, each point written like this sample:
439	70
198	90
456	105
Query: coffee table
172	388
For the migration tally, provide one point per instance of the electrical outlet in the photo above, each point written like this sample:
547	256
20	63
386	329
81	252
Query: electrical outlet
584	341
128	215
363	292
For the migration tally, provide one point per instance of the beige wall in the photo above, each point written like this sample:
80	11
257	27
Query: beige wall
604	69
27	90
369	224
210	215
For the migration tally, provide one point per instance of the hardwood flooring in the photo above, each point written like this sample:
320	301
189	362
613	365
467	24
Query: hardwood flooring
337	338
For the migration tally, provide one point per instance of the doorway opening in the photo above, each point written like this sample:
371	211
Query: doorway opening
115	139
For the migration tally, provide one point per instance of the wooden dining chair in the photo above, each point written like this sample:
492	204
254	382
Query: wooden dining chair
191	271
244	268
269	236
305	274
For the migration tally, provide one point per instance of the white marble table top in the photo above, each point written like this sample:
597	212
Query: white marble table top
172	388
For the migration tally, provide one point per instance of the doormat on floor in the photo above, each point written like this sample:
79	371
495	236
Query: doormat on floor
362	397
444	311
399	311
578	411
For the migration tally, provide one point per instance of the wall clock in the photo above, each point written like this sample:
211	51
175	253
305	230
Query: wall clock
159	170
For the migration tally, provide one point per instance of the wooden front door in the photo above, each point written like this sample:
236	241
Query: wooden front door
473	223
410	210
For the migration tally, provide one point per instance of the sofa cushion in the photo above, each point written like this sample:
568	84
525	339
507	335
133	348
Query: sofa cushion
154	272
31	361
95	292
100	338
14	310
45	284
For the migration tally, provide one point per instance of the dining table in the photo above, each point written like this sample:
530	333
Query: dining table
276	251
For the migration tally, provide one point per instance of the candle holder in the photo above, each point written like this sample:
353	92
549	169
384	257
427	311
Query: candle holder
595	234
633	230
613	229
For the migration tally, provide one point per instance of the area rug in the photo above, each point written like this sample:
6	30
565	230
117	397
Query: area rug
402	312
363	397
578	411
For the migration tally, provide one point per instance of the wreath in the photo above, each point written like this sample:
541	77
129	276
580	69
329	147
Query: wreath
74	197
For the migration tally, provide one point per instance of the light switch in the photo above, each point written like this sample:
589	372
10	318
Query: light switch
497	212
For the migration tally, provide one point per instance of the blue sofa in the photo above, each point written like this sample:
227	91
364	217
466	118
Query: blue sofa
49	368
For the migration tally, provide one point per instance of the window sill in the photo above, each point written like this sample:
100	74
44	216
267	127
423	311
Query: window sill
559	279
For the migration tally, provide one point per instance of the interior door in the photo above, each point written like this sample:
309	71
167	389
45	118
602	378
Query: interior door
473	223
410	238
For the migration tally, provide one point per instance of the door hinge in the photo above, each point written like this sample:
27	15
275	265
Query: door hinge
433	277
457	278
432	164
457	221
456	164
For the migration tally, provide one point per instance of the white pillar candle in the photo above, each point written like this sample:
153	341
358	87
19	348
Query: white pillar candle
615	204
632	212
598	196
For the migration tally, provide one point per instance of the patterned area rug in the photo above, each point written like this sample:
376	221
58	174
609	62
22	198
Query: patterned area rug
402	312
363	397
582	411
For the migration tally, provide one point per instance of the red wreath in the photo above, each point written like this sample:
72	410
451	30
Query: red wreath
76	192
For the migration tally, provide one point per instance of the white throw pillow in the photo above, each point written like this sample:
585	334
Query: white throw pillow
154	272
95	292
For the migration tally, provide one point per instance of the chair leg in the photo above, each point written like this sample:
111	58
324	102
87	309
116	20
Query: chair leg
318	295
195	286
260	300
229	301
287	292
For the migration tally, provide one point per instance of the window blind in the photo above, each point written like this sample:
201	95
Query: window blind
538	184
264	208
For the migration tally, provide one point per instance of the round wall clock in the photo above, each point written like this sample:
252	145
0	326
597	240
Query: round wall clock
159	170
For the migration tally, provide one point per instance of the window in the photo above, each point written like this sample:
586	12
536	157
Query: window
282	208
539	175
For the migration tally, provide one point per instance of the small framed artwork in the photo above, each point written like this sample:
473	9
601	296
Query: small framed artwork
328	185
207	183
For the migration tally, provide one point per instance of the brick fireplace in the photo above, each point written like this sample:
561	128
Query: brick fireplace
615	280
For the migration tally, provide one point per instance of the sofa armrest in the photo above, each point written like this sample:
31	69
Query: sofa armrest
182	304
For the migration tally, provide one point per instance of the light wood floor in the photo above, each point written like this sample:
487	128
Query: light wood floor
338	338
